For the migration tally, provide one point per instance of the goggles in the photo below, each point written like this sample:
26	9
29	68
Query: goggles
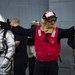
52	19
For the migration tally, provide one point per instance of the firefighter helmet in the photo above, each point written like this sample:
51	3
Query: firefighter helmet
48	14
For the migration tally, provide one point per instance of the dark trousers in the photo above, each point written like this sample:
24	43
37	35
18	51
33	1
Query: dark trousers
20	66
31	65
46	68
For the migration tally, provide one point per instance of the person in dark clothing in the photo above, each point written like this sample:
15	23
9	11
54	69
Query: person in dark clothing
71	42
47	43
20	57
31	49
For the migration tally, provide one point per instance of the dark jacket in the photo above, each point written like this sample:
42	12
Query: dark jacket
62	33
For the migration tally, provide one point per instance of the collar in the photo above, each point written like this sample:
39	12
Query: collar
48	30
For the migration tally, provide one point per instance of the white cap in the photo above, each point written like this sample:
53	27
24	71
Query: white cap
35	22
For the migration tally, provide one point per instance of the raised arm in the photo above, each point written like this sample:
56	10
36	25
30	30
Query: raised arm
23	31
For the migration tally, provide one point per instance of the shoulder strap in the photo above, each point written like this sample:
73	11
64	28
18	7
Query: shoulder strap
4	33
5	47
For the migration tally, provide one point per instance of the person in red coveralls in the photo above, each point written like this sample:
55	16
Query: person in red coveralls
47	43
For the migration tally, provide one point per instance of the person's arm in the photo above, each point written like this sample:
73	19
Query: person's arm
17	39
11	44
24	32
65	33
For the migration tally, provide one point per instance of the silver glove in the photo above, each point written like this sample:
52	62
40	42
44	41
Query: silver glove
4	64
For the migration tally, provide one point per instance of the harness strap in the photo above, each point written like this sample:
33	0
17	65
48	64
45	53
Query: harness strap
5	47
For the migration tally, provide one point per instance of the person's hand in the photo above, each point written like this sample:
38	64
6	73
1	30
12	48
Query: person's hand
4	63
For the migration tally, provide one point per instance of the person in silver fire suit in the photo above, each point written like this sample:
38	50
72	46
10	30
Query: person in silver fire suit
6	55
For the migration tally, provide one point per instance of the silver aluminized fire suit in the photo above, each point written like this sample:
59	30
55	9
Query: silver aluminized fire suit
5	63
